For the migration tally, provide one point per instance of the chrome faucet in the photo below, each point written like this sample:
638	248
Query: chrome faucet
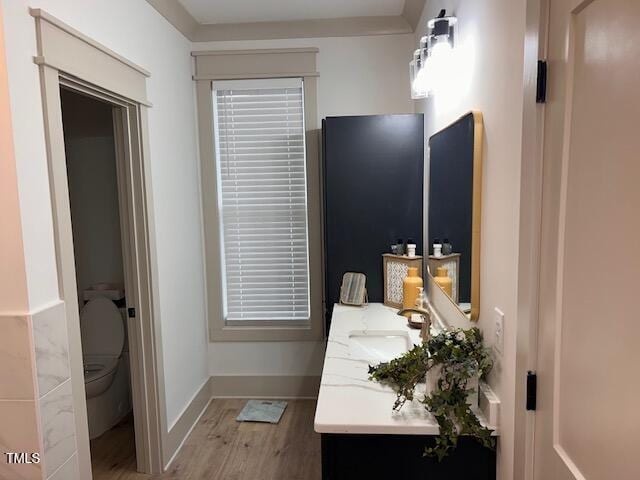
425	330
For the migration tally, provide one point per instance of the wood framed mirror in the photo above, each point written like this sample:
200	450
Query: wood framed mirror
455	196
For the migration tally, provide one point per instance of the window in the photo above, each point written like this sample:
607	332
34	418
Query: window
259	136
228	81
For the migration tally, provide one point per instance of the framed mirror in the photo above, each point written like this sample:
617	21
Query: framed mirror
455	193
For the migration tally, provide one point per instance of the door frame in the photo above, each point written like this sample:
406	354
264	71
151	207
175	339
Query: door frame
68	59
530	231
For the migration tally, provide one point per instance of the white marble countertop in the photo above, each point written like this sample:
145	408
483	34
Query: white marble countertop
348	401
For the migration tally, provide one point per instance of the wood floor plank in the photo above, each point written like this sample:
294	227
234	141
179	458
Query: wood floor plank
219	448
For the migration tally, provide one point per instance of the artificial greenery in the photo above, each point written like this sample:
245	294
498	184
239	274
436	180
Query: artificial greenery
461	357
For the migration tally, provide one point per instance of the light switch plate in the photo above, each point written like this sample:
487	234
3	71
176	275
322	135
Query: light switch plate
498	330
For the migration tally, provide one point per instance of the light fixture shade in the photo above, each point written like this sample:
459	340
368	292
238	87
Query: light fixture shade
415	67
423	84
431	63
440	63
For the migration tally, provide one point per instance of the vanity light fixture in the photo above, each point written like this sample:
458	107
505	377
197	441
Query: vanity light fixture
430	62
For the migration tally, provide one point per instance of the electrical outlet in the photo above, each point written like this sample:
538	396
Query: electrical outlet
498	330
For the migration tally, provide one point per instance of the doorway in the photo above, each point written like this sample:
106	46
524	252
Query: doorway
96	72
98	233
102	241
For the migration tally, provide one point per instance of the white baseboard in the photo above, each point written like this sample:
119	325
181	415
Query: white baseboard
270	386
187	420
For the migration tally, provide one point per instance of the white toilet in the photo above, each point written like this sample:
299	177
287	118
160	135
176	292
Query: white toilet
106	372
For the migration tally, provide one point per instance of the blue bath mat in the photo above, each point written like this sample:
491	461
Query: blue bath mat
266	411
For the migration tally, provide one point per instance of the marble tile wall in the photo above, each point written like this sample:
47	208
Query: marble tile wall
52	348
55	401
36	405
58	427
19	414
69	470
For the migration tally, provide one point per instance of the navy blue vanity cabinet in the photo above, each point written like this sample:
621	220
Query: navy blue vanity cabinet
373	457
373	169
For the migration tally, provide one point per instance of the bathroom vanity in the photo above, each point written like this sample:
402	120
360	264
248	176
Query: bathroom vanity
362	437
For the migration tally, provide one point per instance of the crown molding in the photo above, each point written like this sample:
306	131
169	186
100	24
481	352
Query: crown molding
183	21
254	51
412	12
332	27
176	15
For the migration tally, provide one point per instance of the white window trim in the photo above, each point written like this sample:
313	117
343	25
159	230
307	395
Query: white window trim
225	66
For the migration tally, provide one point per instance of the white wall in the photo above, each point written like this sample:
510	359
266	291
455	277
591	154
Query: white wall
489	78
13	278
136	31
266	358
18	407
358	76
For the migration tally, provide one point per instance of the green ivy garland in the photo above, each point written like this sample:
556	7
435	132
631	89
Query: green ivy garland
462	357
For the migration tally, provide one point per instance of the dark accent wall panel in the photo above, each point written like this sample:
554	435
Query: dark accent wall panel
373	195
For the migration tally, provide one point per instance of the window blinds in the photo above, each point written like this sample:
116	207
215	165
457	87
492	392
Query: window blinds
260	153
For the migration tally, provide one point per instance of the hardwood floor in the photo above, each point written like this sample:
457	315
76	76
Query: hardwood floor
219	448
113	454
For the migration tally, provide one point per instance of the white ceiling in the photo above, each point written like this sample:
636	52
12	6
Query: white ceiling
241	11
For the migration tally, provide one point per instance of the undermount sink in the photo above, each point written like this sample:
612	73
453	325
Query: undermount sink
378	346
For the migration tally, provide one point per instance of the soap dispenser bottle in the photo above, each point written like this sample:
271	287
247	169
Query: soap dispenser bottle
421	300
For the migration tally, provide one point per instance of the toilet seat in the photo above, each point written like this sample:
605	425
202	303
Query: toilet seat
95	369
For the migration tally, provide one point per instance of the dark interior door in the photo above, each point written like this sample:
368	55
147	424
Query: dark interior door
373	193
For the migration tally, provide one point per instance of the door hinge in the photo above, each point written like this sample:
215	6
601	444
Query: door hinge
131	312
541	83
532	390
